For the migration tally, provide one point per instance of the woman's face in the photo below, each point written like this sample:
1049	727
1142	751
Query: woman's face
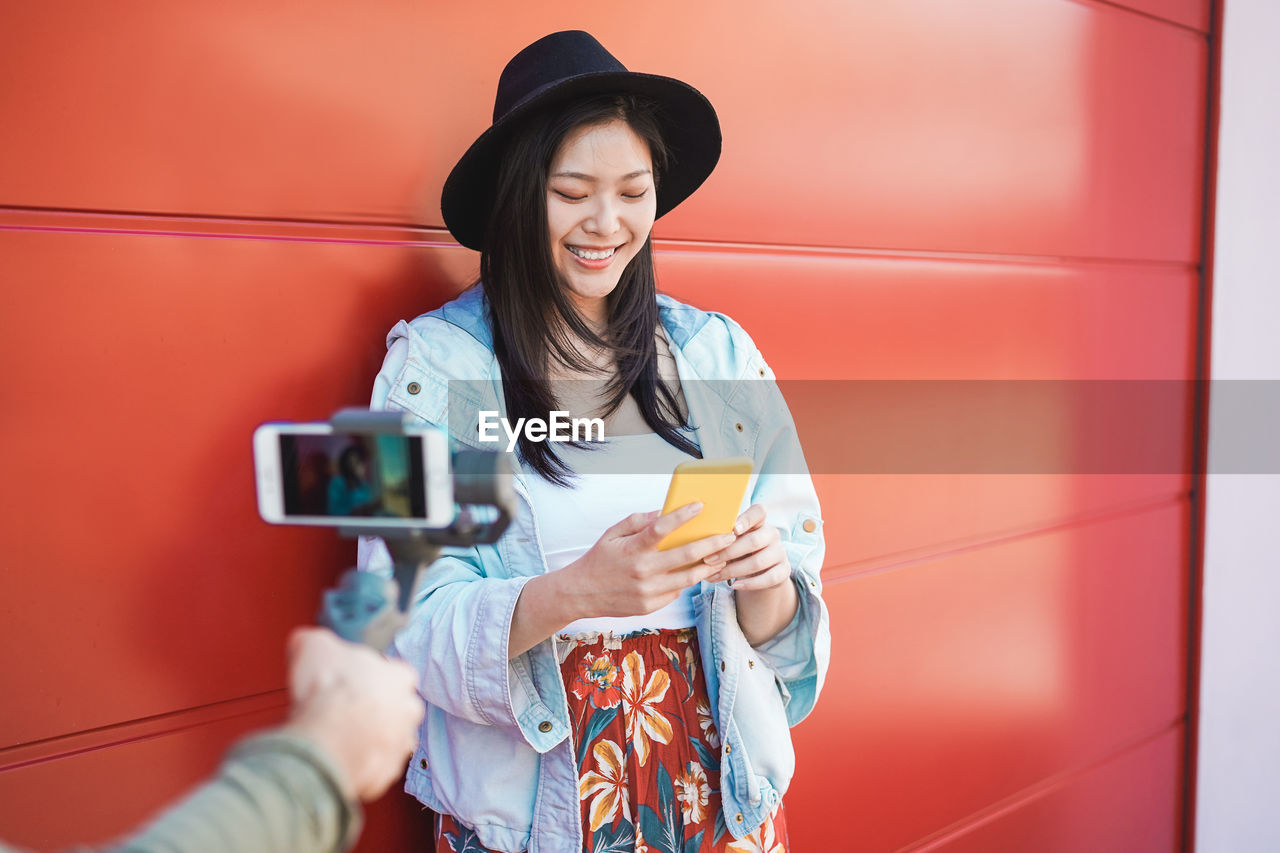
600	208
354	466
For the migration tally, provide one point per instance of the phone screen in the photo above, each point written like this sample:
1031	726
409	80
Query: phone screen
353	475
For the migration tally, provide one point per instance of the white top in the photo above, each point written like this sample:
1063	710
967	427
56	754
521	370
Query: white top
629	473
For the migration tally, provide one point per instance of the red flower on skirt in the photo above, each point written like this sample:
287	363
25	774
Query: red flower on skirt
597	680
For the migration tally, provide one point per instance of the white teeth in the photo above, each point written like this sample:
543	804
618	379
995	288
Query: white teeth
592	256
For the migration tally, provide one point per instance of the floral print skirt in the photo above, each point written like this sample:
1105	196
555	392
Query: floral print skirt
647	749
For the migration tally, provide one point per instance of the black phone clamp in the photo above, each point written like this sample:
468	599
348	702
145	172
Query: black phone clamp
369	608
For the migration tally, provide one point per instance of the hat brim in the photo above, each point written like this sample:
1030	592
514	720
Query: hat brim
690	130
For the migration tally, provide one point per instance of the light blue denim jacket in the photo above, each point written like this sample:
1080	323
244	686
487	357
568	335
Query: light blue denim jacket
496	747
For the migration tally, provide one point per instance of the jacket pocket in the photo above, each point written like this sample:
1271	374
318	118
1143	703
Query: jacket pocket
760	717
805	536
419	392
482	775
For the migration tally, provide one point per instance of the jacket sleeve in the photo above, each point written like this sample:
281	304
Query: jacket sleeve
275	793
460	619
799	654
456	639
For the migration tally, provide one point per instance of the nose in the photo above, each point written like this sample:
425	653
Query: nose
604	219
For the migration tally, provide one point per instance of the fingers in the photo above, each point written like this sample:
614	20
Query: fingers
670	572
632	524
752	517
630	575
755	539
687	576
700	551
764	550
308	651
404	678
776	571
665	524
305	640
363	709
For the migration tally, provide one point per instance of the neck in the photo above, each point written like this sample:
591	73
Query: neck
599	359
594	312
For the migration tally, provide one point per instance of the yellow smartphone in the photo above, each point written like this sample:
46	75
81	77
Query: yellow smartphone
719	484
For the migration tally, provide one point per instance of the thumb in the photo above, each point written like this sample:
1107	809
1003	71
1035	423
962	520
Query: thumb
633	523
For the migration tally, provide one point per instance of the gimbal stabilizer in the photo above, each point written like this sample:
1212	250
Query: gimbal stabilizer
368	608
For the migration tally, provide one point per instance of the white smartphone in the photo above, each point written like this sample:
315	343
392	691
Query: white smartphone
309	474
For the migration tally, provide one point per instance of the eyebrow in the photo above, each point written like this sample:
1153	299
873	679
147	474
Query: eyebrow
583	177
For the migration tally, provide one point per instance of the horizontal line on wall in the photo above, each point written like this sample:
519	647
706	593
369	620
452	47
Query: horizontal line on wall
1006	258
219	218
33	219
943	550
193	235
939	839
134	731
224	228
1112	4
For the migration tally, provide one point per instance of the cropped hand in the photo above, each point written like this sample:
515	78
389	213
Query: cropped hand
360	708
756	560
624	573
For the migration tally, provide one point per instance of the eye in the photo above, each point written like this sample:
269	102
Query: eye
638	195
567	197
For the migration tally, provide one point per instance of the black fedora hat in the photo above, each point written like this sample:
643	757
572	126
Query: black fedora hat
558	68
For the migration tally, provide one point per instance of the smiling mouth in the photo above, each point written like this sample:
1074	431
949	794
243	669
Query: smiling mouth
590	255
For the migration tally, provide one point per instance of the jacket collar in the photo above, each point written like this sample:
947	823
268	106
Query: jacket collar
696	358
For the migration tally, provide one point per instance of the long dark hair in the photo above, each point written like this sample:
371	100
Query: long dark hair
532	317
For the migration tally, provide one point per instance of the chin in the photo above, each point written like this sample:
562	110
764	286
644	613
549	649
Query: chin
592	290
594	284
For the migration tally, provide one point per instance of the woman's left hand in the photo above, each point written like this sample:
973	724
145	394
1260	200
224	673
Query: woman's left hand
756	559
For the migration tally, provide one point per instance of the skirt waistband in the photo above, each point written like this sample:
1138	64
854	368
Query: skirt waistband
615	641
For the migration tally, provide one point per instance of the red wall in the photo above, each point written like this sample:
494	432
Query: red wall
211	213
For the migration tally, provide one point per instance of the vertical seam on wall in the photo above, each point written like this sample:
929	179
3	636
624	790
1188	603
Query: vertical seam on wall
1199	427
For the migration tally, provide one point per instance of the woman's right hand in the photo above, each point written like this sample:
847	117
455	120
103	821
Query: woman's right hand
624	573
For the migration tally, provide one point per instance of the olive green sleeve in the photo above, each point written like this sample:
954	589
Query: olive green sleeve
275	793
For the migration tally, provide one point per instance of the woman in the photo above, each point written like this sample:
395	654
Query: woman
349	492
586	691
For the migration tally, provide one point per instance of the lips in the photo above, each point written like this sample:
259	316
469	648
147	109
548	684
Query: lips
593	258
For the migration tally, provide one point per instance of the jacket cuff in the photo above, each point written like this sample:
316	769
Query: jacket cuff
795	654
789	653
